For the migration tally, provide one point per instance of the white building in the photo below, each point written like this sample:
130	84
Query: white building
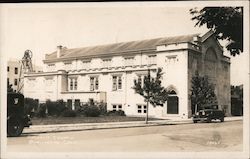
13	72
107	72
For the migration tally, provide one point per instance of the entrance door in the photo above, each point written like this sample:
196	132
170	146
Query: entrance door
173	103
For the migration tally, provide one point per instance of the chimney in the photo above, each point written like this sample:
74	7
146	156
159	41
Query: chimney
58	53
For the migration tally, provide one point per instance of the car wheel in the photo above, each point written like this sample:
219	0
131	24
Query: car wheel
222	119
14	127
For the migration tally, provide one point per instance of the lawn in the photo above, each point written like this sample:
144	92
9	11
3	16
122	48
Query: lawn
74	120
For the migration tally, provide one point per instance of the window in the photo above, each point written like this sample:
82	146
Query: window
106	63
8	68
129	61
117	83
94	83
15	82
141	79
8	81
151	59
72	84
16	70
75	85
141	108
117	107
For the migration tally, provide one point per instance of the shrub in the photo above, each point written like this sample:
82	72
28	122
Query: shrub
103	108
30	105
69	113
90	110
41	111
55	108
116	113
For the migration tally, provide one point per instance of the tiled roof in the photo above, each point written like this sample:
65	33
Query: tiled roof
120	48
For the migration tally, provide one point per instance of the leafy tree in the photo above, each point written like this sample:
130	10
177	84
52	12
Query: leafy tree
226	22
151	90
202	92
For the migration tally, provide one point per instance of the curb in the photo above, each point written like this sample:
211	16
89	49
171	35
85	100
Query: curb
37	129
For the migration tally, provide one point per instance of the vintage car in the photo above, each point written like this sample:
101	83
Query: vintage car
16	117
208	115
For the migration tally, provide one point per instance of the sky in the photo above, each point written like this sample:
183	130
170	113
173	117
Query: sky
42	27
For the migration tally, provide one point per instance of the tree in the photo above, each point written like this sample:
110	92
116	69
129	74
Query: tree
202	92
226	22
151	90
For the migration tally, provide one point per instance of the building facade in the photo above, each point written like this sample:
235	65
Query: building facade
107	72
13	73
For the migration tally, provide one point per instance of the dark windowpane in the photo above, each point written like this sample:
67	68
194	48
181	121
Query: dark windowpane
15	82
16	70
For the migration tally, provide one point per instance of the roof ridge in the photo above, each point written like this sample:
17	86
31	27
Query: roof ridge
125	46
137	40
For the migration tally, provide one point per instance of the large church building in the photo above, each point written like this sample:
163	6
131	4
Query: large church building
107	72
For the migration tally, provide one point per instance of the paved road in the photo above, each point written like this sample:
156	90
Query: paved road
198	137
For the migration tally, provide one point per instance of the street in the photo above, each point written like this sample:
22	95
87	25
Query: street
216	136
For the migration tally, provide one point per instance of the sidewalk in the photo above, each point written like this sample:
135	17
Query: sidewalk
110	125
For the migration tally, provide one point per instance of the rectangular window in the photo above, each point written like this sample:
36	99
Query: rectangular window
141	108
15	82
114	107
151	59
117	107
106	63
72	84
117	83
16	70
144	109
94	83
114	83
141	79
75	85
8	68
91	83
129	61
